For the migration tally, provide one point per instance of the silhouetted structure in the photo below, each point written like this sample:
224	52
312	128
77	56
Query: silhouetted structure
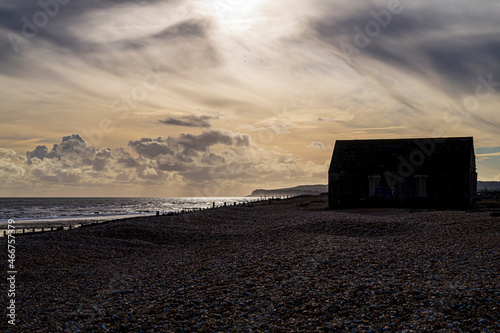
432	172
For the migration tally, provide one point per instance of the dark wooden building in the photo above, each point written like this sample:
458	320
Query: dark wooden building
428	172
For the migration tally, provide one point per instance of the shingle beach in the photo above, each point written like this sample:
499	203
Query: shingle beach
288	266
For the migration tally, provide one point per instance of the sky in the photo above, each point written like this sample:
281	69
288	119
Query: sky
220	97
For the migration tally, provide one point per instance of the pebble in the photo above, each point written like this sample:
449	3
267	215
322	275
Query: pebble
281	267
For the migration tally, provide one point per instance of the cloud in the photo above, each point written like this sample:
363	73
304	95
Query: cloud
317	145
39	152
188	145
186	29
188	154
72	150
73	161
213	158
153	147
189	121
426	40
209	138
78	32
124	158
10	170
277	71
4	152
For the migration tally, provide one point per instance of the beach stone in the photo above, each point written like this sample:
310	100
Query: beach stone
279	267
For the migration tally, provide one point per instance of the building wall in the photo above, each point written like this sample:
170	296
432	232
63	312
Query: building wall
444	167
451	190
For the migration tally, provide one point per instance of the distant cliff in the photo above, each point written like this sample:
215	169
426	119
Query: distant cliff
291	191
318	189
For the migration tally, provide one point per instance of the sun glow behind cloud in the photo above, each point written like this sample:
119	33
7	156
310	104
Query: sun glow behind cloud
117	72
237	15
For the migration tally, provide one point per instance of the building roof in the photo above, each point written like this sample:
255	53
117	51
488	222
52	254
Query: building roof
379	156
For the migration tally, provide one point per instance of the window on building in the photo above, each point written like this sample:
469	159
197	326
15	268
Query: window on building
373	183
420	186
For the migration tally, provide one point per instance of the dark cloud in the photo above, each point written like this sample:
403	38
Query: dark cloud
101	158
125	159
186	29
188	145
189	121
206	139
170	163
11	15
65	33
212	159
426	40
191	156
39	152
192	31
153	147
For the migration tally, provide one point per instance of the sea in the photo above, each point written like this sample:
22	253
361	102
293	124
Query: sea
69	209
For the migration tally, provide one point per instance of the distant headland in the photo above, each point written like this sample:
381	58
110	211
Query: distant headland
318	189
291	191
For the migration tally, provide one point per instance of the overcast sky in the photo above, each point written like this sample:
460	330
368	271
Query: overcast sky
217	98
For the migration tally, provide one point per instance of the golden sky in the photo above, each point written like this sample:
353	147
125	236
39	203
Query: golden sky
217	98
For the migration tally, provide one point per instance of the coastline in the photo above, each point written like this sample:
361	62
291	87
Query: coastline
167	206
290	265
